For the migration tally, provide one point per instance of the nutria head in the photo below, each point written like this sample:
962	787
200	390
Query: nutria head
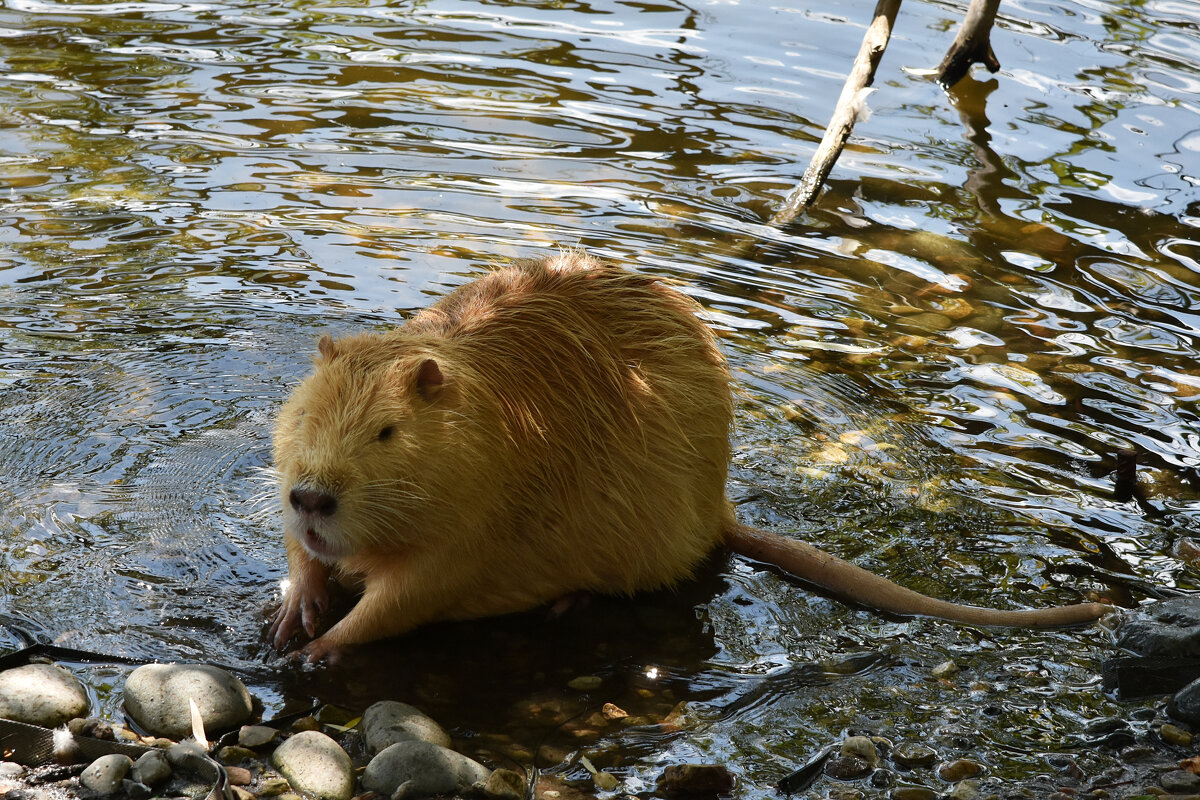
357	444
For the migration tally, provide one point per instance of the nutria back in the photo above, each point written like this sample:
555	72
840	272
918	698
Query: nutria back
551	427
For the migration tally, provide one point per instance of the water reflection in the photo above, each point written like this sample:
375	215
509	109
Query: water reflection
997	292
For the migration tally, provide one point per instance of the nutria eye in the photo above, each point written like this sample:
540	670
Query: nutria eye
385	433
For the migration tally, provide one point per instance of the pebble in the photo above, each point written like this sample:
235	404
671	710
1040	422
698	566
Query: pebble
11	769
270	787
847	768
505	784
1180	781
239	776
421	769
695	780
387	722
960	769
151	768
586	683
156	695
944	670
910	755
964	790
188	755
316	765
136	791
252	736
1185	705
1173	734
104	775
235	754
41	694
861	746
913	793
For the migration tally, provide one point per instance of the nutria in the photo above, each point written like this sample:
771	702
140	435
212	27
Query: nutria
554	427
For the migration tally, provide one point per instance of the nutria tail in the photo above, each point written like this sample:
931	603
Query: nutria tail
865	588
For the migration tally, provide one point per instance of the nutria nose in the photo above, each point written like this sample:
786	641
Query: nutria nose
313	501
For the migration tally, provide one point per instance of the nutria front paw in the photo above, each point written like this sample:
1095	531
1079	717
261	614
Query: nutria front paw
318	650
302	608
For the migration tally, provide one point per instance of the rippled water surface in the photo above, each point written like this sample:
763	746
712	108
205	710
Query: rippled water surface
999	290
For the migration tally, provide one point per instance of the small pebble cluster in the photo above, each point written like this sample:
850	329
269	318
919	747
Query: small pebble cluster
395	751
407	754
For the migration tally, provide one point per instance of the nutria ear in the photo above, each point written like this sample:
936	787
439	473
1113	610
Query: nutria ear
327	347
429	380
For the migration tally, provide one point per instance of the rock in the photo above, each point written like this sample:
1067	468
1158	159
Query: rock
190	757
239	776
316	765
41	694
387	722
270	787
861	746
235	754
964	790
695	779
309	723
913	793
944	670
421	769
586	683
151	768
1168	628
1185	705
104	775
958	770
156	695
136	791
1180	781
1173	734
505	784
847	768
252	736
10	770
910	755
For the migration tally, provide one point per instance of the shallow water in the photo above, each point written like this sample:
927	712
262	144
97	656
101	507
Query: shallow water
998	291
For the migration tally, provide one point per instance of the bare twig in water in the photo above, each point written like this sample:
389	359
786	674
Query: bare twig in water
973	44
849	105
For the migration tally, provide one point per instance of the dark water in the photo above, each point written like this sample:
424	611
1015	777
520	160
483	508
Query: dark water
999	290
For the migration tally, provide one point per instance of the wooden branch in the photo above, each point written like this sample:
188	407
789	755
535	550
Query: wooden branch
972	45
849	105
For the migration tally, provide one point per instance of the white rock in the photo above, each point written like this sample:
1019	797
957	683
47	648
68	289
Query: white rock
41	694
104	775
315	765
409	770
387	722
151	768
156	695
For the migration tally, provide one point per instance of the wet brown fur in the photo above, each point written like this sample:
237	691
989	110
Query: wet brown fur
552	427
